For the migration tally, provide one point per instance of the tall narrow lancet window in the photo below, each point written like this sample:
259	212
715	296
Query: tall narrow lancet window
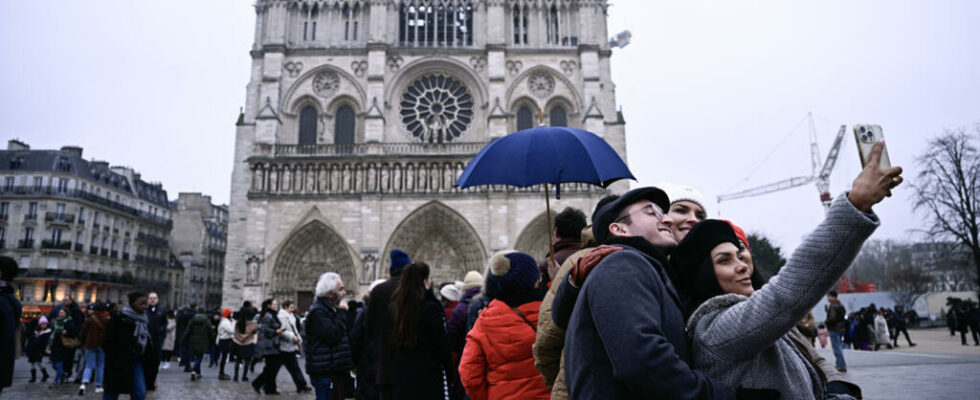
344	125
525	120
307	126
558	117
432	23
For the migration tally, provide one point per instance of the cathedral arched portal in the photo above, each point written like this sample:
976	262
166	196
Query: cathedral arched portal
442	238
307	253
533	239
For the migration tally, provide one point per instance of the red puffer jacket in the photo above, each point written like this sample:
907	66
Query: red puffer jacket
497	362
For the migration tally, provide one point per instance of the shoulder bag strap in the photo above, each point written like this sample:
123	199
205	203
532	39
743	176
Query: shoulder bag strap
519	314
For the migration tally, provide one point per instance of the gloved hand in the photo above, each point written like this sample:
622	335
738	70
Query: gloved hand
589	261
742	393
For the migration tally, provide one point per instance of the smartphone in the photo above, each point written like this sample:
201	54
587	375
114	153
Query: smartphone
866	136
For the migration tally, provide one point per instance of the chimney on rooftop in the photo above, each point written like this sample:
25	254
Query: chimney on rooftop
15	144
76	150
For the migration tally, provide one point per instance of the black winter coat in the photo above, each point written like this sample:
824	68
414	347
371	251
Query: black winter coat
122	354
10	310
268	344
327	344
378	325
58	351
36	345
420	370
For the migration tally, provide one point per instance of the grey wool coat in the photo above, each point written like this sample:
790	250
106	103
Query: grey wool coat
746	341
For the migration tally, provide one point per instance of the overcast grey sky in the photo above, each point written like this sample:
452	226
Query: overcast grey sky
709	90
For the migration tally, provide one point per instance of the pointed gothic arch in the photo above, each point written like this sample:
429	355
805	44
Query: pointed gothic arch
533	239
442	238
304	255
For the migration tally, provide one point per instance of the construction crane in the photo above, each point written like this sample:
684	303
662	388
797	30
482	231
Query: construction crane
820	175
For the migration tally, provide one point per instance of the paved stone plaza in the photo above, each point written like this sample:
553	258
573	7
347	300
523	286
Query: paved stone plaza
938	368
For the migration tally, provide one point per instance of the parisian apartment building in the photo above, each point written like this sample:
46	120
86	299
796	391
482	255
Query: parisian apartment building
83	228
198	241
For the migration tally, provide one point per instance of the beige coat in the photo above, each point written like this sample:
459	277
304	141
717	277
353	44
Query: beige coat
286	343
549	357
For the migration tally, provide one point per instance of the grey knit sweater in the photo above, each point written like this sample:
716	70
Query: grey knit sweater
743	341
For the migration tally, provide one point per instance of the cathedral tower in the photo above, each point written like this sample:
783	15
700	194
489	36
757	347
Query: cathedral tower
360	115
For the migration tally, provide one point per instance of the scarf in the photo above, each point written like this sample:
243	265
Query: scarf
141	333
59	325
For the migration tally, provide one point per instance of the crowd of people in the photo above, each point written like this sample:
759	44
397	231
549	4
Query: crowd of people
964	317
651	299
869	328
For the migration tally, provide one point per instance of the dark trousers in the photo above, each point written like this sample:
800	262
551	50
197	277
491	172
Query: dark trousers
292	365
387	392
328	388
267	379
899	331
976	337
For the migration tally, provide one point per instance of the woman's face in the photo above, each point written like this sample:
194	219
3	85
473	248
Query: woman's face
733	273
685	215
62	313
274	306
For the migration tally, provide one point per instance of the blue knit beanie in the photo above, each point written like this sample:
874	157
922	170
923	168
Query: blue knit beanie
512	271
399	259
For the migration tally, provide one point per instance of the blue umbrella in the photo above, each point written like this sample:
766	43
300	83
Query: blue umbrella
544	155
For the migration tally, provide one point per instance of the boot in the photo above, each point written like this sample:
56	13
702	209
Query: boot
44	374
33	376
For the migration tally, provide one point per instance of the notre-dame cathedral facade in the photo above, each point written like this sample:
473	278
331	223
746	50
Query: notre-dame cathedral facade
360	115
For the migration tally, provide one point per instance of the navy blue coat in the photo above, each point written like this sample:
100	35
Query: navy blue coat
10	310
327	344
625	337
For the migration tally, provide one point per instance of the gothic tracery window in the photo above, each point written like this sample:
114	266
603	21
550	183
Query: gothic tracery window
344	125
558	117
436	108
525	119
430	23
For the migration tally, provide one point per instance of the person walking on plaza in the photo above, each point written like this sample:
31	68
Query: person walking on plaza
966	321
270	334
568	226
37	342
157	317
377	323
328	351
167	352
882	334
10	311
198	338
836	326
290	344
421	360
497	362
128	350
183	319
63	341
91	335
226	331
243	343
899	323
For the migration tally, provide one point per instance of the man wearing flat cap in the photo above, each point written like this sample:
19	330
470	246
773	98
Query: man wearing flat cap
625	324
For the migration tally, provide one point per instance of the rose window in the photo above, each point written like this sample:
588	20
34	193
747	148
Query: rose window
436	108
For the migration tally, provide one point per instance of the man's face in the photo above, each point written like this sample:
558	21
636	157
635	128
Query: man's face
685	215
152	300
645	220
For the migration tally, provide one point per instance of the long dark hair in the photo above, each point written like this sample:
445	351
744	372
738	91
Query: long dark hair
266	304
406	303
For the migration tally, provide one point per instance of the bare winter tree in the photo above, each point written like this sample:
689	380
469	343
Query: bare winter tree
908	284
946	189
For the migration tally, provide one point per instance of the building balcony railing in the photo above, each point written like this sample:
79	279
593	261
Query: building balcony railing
79	194
151	261
30	217
59	218
152	239
362	149
25	244
79	247
51	245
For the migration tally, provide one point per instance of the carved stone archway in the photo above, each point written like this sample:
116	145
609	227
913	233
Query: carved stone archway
307	253
533	239
441	237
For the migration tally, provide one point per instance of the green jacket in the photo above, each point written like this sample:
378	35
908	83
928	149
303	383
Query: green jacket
198	336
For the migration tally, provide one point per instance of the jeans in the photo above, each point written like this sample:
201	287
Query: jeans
197	363
94	364
59	370
139	385
322	387
835	343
